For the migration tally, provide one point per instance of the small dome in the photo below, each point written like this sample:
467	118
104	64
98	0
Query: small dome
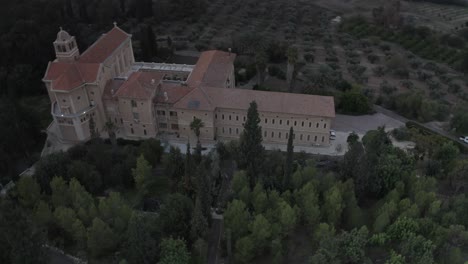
62	35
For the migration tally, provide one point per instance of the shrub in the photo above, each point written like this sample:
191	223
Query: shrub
354	102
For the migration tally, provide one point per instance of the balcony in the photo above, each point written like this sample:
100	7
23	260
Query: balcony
56	112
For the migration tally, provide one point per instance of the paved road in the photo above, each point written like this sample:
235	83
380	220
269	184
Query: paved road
214	241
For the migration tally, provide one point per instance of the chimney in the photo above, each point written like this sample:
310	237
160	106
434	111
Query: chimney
166	97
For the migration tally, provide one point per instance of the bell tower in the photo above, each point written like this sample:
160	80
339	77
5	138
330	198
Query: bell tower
65	46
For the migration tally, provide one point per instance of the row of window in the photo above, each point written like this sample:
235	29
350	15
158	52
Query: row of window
173	126
163	113
279	135
303	123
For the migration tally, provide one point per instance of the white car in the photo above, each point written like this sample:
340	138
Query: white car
464	139
332	134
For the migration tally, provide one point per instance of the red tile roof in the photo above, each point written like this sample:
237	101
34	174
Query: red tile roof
67	76
174	92
140	85
104	46
209	98
212	69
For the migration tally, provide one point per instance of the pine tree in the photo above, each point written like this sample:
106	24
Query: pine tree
198	153
199	223
204	192
251	145
289	161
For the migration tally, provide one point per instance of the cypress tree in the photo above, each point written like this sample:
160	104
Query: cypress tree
251	145
289	161
188	167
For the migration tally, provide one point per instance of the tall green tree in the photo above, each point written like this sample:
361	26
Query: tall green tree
289	161
236	218
188	167
176	215
251	145
142	175
101	238
174	167
199	223
142	239
174	251
21	241
333	205
29	191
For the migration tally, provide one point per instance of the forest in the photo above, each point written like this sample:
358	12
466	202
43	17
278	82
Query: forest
129	202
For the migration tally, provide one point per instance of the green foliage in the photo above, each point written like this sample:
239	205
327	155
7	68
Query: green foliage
418	250
354	102
236	218
29	191
174	167
459	121
245	250
86	174
142	238
354	244
174	251
333	206
289	160
261	232
196	125
115	212
59	192
101	238
175	216
251	145
142	175
199	223
152	150
49	167
21	241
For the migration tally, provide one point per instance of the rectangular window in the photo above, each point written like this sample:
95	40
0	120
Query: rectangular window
230	130
162	125
222	117
323	138
175	126
295	123
237	118
308	137
161	112
272	134
244	118
273	121
144	131
136	116
266	121
302	123
315	139
279	135
281	121
317	125
131	130
325	125
287	122
216	116
229	117
134	104
173	113
310	124
237	131
223	130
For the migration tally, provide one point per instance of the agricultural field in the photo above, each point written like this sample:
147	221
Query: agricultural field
441	18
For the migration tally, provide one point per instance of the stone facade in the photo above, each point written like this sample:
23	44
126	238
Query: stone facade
146	100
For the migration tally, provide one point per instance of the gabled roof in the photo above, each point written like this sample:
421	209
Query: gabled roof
174	92
104	46
212	68
288	103
66	76
195	100
209	98
140	85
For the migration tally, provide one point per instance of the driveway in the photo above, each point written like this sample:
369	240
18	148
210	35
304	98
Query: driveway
362	124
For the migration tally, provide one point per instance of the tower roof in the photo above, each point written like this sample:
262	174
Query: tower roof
62	36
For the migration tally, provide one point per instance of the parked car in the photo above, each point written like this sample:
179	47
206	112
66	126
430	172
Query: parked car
332	134
464	139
